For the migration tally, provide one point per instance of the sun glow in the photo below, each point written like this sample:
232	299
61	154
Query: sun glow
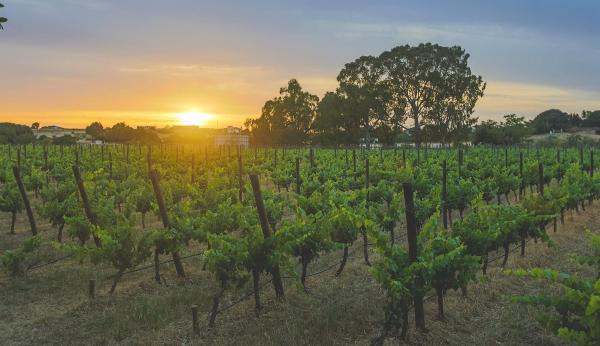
193	118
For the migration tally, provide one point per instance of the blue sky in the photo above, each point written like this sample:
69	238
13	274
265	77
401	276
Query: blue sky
144	61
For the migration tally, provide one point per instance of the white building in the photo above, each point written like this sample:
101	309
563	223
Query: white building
232	137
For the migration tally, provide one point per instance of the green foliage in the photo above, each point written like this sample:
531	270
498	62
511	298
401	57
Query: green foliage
577	308
16	262
448	266
592	260
15	134
511	131
10	198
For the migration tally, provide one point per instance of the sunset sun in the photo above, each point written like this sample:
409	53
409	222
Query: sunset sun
193	118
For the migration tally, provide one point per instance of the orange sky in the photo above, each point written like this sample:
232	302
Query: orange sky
72	62
157	96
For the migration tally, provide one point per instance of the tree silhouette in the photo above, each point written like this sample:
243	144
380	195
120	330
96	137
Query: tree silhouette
2	19
432	85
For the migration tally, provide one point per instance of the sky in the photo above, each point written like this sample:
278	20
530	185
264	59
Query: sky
147	62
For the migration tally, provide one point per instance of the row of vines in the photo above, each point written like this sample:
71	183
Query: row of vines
432	217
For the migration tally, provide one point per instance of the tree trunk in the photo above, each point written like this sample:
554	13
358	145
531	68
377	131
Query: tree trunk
178	264
60	231
116	281
523	246
365	247
304	261
343	263
13	220
485	264
255	281
156	266
440	302
404	324
506	250
215	306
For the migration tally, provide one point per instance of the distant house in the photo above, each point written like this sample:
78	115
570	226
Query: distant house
233	136
374	142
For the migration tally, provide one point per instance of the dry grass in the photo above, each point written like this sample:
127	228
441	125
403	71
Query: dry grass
50	305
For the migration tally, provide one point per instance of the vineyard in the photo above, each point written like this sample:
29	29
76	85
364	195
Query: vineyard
184	244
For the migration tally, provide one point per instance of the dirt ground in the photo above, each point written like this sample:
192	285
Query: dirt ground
51	305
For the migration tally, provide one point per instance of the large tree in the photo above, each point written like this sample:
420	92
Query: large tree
95	129
2	19
331	123
365	97
554	120
286	119
432	85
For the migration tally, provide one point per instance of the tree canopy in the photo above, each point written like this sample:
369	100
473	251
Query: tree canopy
554	120
428	85
512	130
286	119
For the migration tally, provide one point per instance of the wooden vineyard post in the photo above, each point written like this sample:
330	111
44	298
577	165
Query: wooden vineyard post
581	158
312	158
264	224
505	157
165	218
92	289
591	162
522	183
346	154
460	162
193	172
363	230
17	174
149	158
445	194
541	179
275	157
240	179
110	167
354	162
86	202
298	180
195	325
411	233
45	157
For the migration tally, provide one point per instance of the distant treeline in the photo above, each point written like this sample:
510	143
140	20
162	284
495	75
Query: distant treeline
119	133
429	87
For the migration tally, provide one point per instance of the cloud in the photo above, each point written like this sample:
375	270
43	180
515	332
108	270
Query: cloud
427	32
